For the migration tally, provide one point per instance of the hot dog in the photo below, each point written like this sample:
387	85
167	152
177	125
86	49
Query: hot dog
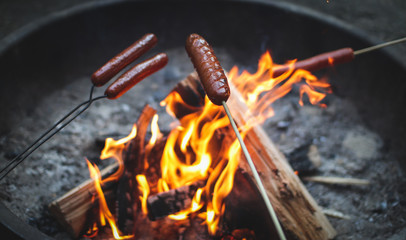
211	73
120	61
318	62
133	76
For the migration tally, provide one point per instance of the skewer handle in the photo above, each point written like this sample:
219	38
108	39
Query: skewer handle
382	45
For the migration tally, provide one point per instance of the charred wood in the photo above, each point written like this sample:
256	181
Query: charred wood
166	203
244	208
135	147
123	204
168	229
133	164
241	234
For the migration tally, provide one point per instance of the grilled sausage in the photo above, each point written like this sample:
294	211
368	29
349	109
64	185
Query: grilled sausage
211	74
116	64
136	74
318	62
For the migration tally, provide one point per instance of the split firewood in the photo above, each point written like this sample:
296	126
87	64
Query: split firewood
72	208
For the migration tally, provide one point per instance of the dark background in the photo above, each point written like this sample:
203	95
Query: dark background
382	20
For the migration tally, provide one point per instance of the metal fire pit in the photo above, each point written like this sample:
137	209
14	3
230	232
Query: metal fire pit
46	56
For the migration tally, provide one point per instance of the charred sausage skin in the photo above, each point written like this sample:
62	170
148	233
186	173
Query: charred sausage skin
320	61
211	73
136	74
123	59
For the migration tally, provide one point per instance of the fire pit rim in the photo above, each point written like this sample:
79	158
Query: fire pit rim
12	39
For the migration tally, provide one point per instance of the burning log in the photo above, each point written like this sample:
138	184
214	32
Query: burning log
123	205
135	147
73	208
166	203
296	209
133	164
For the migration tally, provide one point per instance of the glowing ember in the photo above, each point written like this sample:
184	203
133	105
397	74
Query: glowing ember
195	206
192	152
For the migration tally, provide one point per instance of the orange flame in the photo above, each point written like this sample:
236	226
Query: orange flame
194	150
260	90
92	232
156	133
114	149
144	188
193	142
104	209
223	187
195	206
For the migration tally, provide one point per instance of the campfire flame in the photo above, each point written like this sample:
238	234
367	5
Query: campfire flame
104	209
192	151
260	90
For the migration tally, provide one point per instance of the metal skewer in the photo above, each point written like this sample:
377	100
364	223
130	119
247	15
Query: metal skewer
256	175
382	45
122	84
54	129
